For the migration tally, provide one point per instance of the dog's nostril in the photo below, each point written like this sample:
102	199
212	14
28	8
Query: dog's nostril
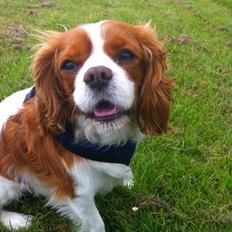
91	77
98	77
103	75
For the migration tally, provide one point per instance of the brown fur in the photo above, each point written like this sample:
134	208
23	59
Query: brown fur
28	150
27	141
155	95
147	71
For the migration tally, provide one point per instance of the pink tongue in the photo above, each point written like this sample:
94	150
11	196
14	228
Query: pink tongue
105	112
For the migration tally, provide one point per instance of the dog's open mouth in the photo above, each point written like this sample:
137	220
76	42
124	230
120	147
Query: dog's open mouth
106	111
108	116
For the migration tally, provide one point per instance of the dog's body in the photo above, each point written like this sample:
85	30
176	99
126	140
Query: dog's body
107	81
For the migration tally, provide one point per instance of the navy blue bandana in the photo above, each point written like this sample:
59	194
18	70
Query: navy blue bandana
121	154
112	154
30	95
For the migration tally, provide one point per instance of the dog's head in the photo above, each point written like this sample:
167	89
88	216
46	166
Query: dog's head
106	76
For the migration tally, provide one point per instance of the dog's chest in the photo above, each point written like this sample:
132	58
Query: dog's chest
92	177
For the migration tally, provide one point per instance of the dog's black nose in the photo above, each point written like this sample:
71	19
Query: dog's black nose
98	77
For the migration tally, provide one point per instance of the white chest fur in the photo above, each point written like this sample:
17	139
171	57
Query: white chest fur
90	178
99	177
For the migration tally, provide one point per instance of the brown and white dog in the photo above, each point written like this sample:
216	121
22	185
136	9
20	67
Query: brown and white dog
107	81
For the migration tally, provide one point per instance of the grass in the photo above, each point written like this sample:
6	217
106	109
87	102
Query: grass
183	179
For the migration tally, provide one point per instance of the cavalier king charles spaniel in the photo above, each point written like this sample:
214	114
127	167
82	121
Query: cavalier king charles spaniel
98	88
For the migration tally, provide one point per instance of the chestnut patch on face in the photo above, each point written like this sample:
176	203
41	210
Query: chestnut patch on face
122	45
73	52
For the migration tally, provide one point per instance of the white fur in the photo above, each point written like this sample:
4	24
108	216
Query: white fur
88	129
8	190
15	221
11	105
93	178
90	177
121	89
11	191
120	92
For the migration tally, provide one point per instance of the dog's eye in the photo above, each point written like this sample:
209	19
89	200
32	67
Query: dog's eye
125	56
69	66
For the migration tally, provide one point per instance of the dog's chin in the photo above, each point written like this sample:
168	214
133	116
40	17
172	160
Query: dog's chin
110	125
106	116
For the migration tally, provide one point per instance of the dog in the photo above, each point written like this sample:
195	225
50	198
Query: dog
98	89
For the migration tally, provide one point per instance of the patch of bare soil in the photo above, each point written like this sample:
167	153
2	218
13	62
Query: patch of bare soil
15	35
148	2
33	12
2	18
177	130
47	3
181	39
176	1
224	214
225	218
152	200
193	90
222	69
223	29
228	43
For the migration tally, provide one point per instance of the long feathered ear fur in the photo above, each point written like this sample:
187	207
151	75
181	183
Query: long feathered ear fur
155	94
52	107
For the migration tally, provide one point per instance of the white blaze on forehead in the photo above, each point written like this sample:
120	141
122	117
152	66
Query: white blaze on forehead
94	32
121	86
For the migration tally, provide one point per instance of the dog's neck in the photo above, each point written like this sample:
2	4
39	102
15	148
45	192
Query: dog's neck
103	153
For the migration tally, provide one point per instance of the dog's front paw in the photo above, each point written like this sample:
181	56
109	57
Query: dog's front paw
128	178
15	221
129	183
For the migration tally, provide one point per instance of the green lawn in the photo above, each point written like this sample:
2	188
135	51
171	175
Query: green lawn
183	179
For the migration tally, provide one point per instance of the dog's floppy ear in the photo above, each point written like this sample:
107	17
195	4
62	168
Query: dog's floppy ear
155	94
49	92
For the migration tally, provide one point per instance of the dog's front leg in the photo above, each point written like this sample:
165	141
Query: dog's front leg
85	213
